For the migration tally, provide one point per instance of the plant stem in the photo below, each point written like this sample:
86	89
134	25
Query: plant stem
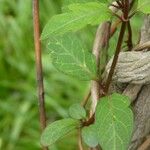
118	49
39	70
80	145
125	4
129	42
145	145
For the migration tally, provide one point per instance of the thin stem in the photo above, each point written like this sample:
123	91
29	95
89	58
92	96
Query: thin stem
119	44
129	41
118	49
80	144
39	70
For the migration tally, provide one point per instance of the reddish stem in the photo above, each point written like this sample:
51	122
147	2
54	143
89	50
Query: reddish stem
39	70
119	44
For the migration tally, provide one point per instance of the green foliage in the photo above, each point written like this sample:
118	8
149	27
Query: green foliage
89	135
76	111
19	127
18	99
114	122
80	16
144	6
69	56
68	2
57	130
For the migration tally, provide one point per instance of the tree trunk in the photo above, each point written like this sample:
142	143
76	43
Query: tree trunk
141	105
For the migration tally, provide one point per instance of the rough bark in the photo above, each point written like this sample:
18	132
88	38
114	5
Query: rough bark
141	106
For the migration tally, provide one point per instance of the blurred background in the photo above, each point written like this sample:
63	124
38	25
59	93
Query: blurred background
19	120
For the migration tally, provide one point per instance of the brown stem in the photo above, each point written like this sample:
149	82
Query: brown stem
89	121
118	49
80	145
145	145
125	4
129	41
39	69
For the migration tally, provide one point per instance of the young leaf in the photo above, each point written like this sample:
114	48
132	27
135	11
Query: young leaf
57	130
114	122
90	13
69	56
144	6
76	111
89	136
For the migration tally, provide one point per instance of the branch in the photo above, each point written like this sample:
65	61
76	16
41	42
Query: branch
39	69
145	145
100	43
142	46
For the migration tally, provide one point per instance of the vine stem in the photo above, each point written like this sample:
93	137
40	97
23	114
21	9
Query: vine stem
118	49
39	70
80	144
119	44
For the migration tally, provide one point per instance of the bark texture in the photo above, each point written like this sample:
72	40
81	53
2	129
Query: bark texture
141	106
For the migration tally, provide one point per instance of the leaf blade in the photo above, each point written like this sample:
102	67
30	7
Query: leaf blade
144	6
57	130
69	57
89	136
90	13
76	111
114	121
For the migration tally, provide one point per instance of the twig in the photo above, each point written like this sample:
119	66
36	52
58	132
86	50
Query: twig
80	144
145	145
39	70
142	46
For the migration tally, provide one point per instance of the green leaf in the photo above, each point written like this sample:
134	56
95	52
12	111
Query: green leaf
89	136
144	6
89	13
69	57
76	111
68	2
114	122
57	130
